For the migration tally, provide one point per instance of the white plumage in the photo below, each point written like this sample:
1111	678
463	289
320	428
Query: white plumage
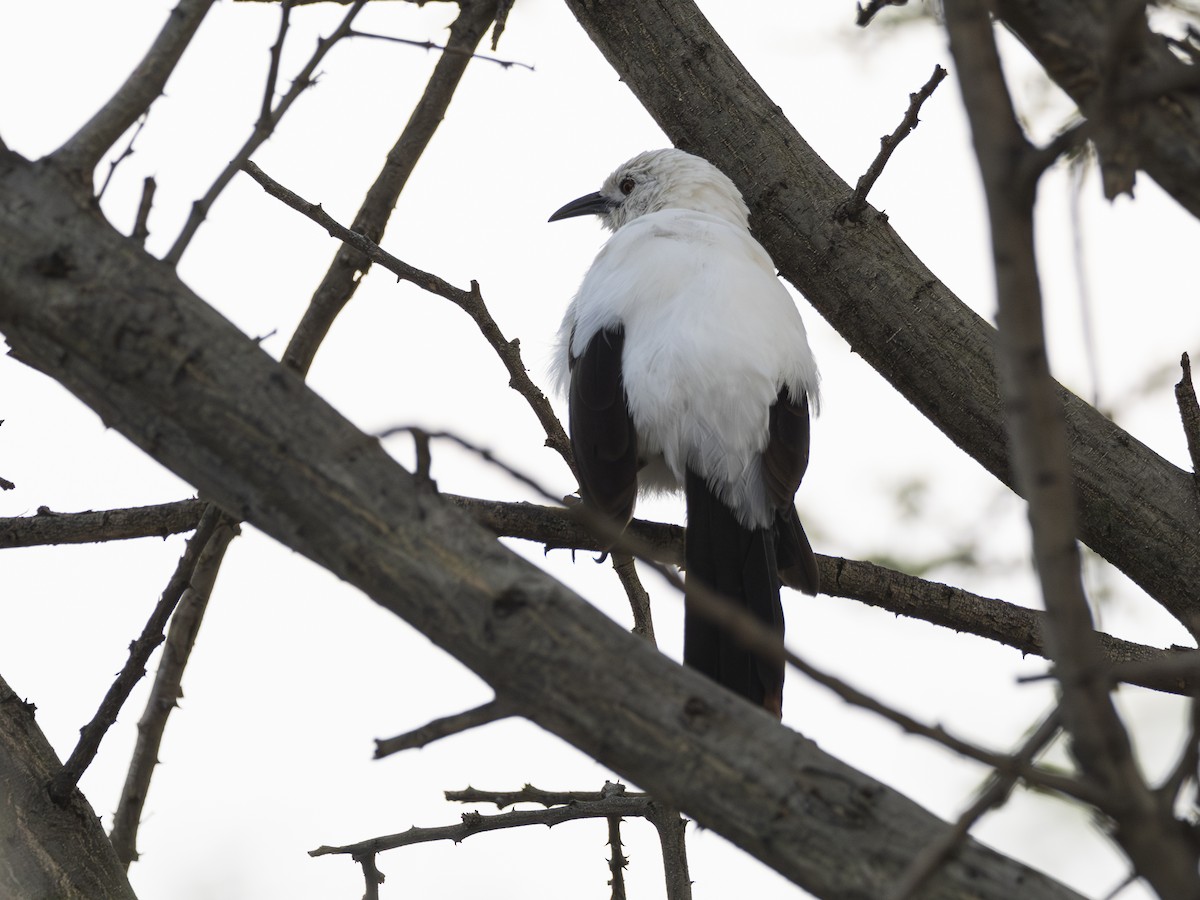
711	336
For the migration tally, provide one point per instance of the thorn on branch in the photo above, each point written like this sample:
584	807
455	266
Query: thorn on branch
853	207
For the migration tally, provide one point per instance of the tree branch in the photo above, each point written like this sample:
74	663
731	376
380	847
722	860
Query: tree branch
49	850
492	711
262	128
1134	507
1145	828
82	152
129	339
47	527
62	786
341	279
167	689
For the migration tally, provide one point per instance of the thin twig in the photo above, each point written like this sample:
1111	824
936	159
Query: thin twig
343	276
531	794
492	711
125	154
262	131
91	734
476	823
888	144
82	152
994	794
285	17
166	691
430	45
471	302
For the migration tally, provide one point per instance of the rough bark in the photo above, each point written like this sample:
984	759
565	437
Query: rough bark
47	850
1074	41
90	308
1135	509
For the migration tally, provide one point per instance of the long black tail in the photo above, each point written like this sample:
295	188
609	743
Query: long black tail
740	564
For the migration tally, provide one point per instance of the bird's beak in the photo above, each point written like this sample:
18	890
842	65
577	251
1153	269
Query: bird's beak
595	204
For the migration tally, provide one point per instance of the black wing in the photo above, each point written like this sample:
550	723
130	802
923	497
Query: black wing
785	461
602	433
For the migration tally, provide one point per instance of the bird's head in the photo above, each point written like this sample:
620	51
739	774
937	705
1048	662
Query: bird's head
657	180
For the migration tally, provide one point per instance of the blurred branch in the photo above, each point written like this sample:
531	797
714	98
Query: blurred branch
342	278
430	45
62	786
141	224
47	527
1145	828
263	128
82	152
994	794
1073	41
167	688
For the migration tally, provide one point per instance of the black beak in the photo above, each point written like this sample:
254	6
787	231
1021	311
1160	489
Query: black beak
593	204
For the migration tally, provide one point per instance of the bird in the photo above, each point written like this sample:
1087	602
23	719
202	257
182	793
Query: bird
687	366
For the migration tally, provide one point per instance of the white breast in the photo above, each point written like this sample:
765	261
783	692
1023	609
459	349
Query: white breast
710	338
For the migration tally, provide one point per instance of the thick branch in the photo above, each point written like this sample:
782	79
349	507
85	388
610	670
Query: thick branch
1136	509
48	527
121	331
82	152
49	850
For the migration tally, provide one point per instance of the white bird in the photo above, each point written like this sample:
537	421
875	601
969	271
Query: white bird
687	366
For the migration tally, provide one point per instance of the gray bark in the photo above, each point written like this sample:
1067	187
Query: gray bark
88	307
46	850
1135	509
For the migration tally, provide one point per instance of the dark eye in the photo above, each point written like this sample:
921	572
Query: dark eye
626	186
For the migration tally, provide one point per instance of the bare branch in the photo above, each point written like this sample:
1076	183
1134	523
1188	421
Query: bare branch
1174	670
167	689
124	155
342	278
1145	827
262	130
639	599
62	786
858	200
476	823
47	527
471	302
617	862
83	151
492	711
531	794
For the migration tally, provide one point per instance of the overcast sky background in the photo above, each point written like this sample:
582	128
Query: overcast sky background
294	673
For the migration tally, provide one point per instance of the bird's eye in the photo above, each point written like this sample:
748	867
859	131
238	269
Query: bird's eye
627	186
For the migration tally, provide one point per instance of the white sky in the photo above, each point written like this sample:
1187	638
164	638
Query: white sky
294	673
